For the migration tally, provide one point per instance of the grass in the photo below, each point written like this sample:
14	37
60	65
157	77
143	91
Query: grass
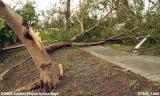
21	53
129	48
158	85
1	86
66	91
122	47
18	83
133	83
68	66
2	67
144	50
51	37
98	67
92	93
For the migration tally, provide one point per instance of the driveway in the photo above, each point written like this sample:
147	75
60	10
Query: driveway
147	66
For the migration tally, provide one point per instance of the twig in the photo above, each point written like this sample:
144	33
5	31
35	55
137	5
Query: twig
2	75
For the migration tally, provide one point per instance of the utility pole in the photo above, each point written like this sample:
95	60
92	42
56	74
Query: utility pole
137	47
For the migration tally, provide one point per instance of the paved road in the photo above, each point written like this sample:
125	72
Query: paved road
147	66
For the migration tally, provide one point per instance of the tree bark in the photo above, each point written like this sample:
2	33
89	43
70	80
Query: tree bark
53	47
67	16
48	76
80	14
80	21
158	9
100	22
56	46
113	39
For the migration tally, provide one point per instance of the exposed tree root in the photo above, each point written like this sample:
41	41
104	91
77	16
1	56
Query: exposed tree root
39	84
2	75
32	86
31	40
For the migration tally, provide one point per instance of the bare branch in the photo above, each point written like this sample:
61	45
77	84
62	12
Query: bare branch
101	21
2	75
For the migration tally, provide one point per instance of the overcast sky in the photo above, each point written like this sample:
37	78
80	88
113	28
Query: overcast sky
43	4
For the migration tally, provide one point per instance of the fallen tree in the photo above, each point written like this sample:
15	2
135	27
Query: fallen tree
58	45
98	23
53	47
49	73
113	39
98	42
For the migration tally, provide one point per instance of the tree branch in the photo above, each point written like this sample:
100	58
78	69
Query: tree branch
2	75
102	20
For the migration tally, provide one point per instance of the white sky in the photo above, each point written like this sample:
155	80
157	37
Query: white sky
43	4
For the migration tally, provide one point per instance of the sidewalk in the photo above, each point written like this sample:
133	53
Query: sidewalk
147	66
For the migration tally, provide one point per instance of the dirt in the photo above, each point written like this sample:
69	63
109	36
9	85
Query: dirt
85	75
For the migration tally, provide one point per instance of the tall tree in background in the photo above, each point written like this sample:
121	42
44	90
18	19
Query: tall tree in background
48	16
29	13
7	36
158	9
67	15
80	14
84	14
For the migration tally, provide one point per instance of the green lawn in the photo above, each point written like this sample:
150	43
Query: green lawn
122	47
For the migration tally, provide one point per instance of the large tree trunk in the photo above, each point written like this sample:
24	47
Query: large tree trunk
113	39
53	47
158	9
67	16
80	21
48	76
80	14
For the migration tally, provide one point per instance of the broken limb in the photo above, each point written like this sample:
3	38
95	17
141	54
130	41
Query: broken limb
53	47
48	76
101	21
2	75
